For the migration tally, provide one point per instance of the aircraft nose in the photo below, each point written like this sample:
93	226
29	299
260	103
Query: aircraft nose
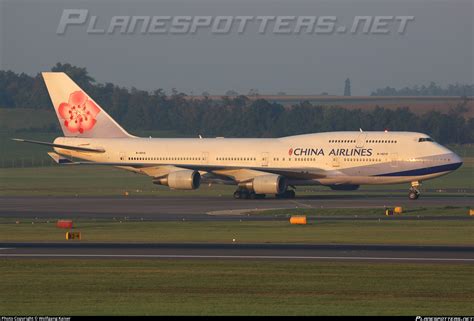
456	160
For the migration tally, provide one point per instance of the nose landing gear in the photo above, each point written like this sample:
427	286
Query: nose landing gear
414	192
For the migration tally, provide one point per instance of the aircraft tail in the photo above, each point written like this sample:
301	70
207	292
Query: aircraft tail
78	114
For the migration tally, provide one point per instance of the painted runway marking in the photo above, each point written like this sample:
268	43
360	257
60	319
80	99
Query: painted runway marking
354	258
301	204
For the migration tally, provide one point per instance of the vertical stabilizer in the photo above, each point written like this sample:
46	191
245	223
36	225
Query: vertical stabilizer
78	114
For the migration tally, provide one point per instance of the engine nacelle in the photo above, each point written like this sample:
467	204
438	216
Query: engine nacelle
267	184
183	179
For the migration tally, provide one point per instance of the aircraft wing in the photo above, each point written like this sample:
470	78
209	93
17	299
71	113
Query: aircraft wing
213	173
247	174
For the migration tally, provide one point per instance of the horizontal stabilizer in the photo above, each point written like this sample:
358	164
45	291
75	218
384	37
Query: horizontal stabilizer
81	149
58	159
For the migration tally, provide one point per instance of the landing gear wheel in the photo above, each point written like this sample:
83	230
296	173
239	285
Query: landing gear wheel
413	195
246	194
253	196
290	194
286	194
414	191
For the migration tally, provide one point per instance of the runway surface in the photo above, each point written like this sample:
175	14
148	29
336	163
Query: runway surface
326	252
202	207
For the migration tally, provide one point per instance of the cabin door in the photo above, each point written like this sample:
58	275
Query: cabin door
393	159
205	157
335	161
265	159
361	140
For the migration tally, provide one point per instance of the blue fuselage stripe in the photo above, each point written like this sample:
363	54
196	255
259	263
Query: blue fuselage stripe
426	170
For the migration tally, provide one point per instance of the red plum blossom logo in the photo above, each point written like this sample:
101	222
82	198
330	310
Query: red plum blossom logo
79	113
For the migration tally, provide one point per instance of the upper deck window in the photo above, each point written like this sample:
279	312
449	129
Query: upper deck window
425	139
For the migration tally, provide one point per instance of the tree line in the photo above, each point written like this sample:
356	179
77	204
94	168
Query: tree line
235	116
460	90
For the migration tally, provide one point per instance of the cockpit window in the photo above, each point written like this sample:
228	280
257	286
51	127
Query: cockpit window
425	139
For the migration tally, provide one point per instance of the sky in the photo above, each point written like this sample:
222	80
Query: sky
436	45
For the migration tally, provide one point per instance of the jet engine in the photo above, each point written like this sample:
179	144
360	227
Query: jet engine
266	184
183	179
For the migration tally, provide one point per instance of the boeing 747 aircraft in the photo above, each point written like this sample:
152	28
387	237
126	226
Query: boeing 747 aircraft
257	166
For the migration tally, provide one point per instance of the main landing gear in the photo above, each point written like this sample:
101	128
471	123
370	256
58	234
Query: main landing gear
414	191
243	193
246	194
289	193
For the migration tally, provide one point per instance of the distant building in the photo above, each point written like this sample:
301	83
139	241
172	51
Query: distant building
347	87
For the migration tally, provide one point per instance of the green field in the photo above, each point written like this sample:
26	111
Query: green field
15	119
412	211
224	287
409	232
89	181
231	287
77	181
19	155
218	287
36	124
19	162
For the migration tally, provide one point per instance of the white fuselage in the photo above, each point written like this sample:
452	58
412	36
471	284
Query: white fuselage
332	158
